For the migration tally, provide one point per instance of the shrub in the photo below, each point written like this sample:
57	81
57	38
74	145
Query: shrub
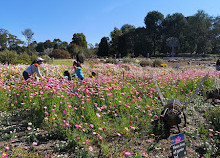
158	62
47	59
8	57
128	60
145	62
112	61
60	54
23	58
33	57
80	57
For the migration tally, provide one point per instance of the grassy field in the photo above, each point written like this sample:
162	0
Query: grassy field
63	61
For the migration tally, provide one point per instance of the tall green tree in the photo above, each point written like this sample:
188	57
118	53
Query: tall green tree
3	39
215	38
199	32
40	47
103	49
153	22
115	34
48	44
13	42
79	39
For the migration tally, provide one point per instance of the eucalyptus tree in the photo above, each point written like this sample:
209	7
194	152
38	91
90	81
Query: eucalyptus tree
3	39
28	34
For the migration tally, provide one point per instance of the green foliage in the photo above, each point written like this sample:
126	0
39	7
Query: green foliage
146	62
8	57
128	60
127	28
112	60
157	62
79	39
24	58
47	59
4	104
3	39
80	57
103	49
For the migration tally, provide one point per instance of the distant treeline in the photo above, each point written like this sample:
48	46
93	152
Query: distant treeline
199	34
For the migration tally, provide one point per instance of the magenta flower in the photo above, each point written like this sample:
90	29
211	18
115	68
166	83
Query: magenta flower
7	148
126	153
4	155
145	155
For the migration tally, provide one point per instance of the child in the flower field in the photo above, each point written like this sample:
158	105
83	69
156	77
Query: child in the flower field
34	67
67	75
93	75
78	70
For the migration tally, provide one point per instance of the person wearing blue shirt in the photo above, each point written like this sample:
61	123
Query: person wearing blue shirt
78	70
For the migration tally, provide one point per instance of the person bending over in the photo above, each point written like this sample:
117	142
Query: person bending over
33	68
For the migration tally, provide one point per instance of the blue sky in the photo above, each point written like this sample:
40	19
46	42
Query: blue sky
51	19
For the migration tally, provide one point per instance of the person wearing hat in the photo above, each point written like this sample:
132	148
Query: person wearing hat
34	67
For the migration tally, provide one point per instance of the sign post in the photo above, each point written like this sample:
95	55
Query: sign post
178	145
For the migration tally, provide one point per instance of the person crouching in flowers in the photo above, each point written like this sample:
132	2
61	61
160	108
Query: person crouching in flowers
93	75
33	68
78	70
66	75
218	65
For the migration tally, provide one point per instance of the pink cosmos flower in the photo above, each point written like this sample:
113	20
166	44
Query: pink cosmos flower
149	141
145	155
91	125
7	148
4	155
34	143
132	127
126	153
46	113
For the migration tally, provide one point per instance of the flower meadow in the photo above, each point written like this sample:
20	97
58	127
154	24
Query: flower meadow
104	116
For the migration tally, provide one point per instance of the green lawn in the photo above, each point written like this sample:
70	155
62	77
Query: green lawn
63	61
